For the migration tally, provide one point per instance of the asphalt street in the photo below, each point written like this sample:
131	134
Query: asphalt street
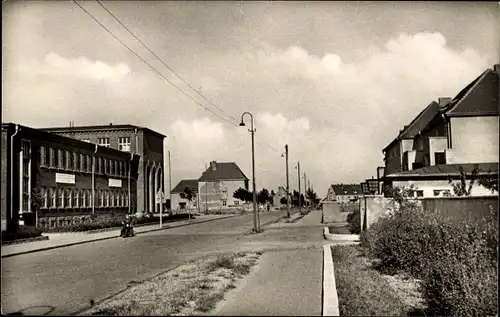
63	281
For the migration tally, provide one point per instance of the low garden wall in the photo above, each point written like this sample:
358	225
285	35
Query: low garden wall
375	206
332	212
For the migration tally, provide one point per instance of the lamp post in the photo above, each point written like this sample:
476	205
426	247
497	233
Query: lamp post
252	132
287	184
298	177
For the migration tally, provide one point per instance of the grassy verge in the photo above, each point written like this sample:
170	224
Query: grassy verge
364	291
339	230
191	289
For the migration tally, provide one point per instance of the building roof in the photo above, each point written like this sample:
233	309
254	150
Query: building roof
447	170
192	184
110	127
347	189
223	171
53	137
479	98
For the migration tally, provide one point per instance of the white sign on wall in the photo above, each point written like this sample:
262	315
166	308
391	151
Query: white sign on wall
115	182
65	178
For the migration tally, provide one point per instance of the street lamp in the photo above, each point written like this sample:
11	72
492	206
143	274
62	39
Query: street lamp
372	186
364	188
256	226
287	183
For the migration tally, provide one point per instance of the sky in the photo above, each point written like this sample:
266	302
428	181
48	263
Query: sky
336	81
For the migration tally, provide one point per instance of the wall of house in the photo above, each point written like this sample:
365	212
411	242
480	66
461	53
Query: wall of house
393	159
474	140
4	173
372	208
212	193
428	187
436	144
177	200
332	212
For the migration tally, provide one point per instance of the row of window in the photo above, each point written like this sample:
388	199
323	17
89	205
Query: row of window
123	143
67	160
82	198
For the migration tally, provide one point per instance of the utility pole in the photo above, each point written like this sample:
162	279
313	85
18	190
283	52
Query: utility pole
305	188
298	174
287	184
206	194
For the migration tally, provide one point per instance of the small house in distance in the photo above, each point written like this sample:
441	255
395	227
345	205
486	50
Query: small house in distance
217	185
179	203
344	193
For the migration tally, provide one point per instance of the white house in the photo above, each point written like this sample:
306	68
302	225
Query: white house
179	203
217	185
343	193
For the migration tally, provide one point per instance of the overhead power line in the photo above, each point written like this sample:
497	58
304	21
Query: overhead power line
161	61
150	66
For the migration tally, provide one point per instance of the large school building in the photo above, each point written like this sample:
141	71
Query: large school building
68	178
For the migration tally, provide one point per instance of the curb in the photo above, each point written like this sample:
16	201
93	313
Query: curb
21	241
340	237
106	238
330	298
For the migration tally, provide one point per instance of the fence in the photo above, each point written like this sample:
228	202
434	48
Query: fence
472	208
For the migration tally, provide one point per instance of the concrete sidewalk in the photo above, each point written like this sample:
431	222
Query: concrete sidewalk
283	283
58	240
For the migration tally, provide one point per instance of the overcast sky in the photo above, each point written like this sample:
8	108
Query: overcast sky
334	80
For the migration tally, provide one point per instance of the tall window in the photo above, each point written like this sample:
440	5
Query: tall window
83	163
69	160
99	165
89	198
107	198
60	198
26	175
76	162
111	167
43	156
89	164
81	198
53	198
106	170
112	199
76	196
52	157
45	195
67	197
124	144
62	159
120	169
104	142
101	198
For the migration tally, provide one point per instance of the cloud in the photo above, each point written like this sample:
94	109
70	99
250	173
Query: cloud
335	113
56	65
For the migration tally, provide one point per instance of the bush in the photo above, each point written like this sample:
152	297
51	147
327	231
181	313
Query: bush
456	259
354	221
21	233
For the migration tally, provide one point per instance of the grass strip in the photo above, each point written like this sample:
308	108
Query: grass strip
362	291
191	289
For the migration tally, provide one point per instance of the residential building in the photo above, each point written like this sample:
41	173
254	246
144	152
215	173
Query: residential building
179	203
62	176
146	143
343	193
459	132
217	185
281	193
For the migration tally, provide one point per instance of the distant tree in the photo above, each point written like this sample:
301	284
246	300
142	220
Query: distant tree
283	200
263	196
188	194
242	194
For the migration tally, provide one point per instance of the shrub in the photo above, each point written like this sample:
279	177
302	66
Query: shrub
21	233
354	221
455	258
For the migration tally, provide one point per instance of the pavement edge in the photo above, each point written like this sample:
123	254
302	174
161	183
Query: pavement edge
330	303
107	238
340	237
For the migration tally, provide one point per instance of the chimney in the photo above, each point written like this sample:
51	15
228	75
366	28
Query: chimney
443	101
213	165
496	68
111	124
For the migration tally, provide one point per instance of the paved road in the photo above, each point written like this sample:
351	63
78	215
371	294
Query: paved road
64	280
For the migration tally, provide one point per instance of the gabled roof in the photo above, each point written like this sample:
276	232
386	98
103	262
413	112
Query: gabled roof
447	170
192	184
347	189
479	98
223	171
420	122
89	128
